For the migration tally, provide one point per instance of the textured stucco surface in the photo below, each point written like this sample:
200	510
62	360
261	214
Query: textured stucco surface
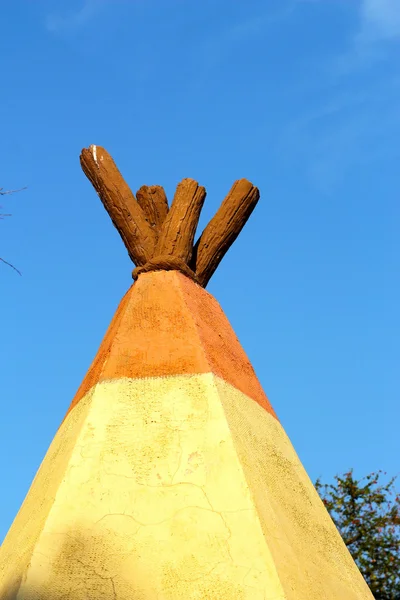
171	477
173	488
168	325
311	559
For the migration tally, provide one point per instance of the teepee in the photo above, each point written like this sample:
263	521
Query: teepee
171	477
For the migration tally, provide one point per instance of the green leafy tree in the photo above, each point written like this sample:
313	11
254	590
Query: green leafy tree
367	515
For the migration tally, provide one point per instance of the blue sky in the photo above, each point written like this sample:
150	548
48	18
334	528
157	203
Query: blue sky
300	97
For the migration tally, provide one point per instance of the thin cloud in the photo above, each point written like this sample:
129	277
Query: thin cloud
378	30
359	122
355	128
380	21
329	155
76	19
256	24
217	48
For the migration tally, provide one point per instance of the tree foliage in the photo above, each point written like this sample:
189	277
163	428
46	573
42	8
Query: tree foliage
367	515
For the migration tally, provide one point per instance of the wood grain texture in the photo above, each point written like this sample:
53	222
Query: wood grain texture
158	238
118	200
179	228
223	229
153	202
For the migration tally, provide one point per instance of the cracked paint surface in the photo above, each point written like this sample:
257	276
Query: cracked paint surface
169	489
150	502
171	477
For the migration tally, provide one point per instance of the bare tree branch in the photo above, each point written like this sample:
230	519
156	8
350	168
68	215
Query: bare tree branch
10	265
4	192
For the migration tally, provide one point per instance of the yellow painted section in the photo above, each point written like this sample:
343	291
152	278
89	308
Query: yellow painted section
149	503
176	488
312	561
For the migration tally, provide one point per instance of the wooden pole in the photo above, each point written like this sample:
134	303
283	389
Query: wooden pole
160	239
153	202
118	200
179	228
223	229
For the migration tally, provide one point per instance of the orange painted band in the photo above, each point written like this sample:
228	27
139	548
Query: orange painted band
168	325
